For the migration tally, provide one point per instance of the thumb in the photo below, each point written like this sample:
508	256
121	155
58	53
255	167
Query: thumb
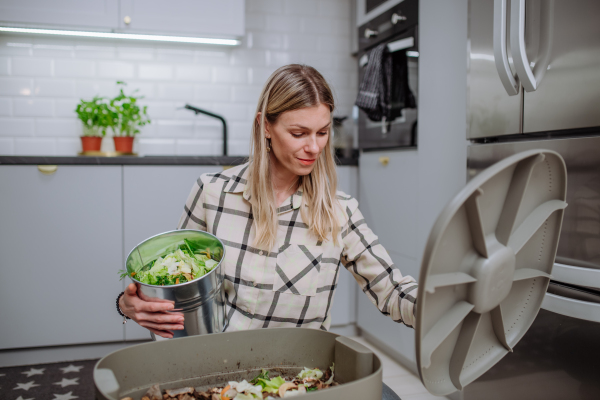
131	289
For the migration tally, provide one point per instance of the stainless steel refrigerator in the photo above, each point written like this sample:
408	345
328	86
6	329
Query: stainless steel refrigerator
534	83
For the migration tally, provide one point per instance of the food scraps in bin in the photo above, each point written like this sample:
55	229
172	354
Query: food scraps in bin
182	265
261	387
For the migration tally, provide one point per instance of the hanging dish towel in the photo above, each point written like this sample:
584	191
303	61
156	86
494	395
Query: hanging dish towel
384	90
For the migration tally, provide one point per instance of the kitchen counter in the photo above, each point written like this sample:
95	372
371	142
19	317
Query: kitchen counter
133	160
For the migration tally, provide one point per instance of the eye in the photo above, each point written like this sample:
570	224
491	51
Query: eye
324	133
297	134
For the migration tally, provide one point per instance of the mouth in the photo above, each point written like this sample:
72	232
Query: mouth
306	161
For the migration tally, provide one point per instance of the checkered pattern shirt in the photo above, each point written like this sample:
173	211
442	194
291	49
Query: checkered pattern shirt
293	284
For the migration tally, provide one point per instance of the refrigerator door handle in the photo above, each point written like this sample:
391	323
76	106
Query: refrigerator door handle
530	79
571	307
509	81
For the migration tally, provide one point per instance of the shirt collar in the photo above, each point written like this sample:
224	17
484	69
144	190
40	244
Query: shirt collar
238	183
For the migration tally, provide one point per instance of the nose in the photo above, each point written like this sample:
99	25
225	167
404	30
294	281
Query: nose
312	146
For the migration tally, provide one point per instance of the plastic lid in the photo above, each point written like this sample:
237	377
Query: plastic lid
486	268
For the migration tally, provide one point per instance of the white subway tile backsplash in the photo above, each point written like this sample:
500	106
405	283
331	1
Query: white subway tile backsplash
155	147
296	42
35	147
219	93
5	107
193	72
335	9
174	128
241	130
265	6
16	127
270	41
68	146
116	69
88	89
249	57
246	94
280	23
7	146
304	7
136	53
155	71
58	72
4	66
197	147
31	67
33	107
55	127
95	52
54	88
176	91
10	86
65	107
230	75
74	68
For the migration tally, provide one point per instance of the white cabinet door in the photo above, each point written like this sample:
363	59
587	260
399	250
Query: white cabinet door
388	200
60	251
80	14
154	197
186	17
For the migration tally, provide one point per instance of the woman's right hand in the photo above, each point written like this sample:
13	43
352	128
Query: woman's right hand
152	315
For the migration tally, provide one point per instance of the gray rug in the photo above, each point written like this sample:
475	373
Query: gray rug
57	381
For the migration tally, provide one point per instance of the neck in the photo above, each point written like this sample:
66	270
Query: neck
281	178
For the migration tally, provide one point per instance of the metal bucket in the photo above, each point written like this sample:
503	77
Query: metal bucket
202	301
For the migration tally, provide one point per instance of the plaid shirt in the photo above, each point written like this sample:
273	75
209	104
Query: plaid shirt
294	283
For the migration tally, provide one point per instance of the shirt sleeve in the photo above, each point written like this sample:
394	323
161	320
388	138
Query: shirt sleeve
393	294
194	213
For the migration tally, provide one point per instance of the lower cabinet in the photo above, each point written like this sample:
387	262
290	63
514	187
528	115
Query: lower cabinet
61	238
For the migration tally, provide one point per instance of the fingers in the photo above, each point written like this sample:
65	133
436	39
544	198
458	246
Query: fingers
161	327
161	318
165	334
131	289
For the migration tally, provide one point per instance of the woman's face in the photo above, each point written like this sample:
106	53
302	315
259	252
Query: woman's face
298	137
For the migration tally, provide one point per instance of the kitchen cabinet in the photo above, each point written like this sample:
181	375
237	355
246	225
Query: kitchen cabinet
97	14
224	18
60	252
153	200
185	17
388	200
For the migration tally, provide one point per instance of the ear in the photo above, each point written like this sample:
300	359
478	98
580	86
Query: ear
267	134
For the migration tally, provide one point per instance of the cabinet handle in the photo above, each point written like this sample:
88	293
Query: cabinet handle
511	84
127	20
384	160
370	32
396	18
47	169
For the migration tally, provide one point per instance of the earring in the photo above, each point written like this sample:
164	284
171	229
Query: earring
268	145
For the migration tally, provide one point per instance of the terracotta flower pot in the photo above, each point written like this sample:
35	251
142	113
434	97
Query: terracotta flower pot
91	143
123	144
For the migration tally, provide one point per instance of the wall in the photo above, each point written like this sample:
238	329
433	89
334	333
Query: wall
43	78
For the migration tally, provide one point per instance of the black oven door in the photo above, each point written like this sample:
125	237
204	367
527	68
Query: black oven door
402	131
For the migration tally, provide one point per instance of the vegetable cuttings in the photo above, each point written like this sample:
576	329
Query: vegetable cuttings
182	265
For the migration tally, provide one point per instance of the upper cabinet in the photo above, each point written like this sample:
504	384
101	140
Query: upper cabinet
72	14
223	18
185	17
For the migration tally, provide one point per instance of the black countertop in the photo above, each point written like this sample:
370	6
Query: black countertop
133	160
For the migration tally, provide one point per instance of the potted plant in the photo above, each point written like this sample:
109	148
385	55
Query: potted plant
130	118
96	117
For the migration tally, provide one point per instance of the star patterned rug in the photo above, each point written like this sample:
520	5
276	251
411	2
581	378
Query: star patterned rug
58	381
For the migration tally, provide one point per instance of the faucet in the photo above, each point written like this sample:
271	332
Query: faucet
210	114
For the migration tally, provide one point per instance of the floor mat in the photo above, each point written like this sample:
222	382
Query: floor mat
57	381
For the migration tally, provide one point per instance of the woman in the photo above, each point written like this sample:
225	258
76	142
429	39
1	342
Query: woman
285	227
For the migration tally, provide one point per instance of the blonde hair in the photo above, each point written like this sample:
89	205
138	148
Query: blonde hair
292	87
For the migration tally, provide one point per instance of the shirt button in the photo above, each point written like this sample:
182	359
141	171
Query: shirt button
254	284
260	253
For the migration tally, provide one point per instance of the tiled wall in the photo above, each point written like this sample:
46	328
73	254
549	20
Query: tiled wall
43	78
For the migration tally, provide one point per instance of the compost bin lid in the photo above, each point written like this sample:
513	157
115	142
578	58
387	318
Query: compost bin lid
486	268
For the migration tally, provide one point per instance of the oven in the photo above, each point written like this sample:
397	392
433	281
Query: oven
397	27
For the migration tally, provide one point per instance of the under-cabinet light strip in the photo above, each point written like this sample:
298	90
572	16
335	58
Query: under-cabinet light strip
129	36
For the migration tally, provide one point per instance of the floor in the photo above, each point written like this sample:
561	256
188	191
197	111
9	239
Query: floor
401	380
